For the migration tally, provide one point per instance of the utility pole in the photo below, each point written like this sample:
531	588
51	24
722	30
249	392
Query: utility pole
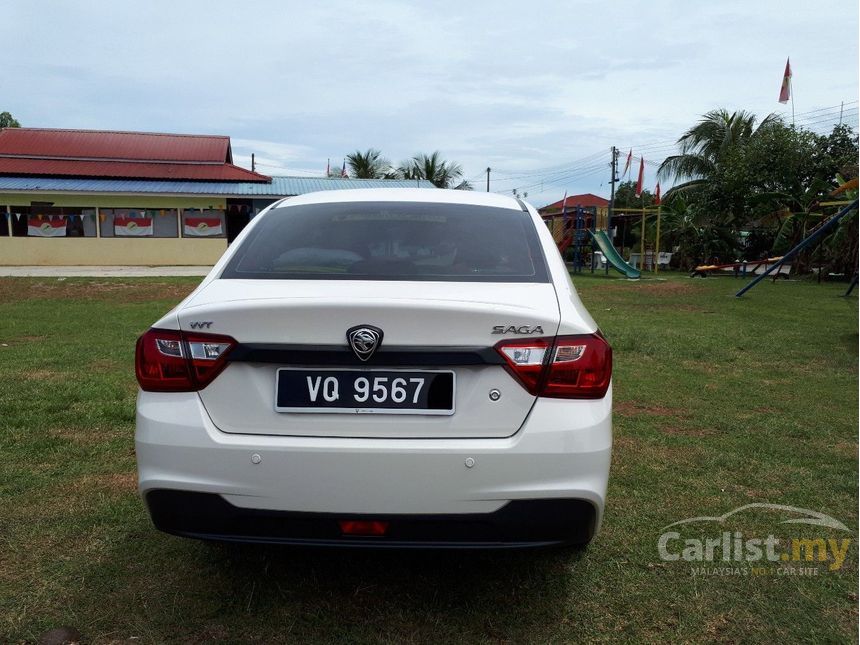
488	179
613	168
613	165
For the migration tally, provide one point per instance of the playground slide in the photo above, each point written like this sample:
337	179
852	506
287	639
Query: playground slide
612	256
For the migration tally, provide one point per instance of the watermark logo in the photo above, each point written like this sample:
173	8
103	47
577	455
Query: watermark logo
808	543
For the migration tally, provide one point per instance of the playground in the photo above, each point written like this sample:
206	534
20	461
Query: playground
584	236
719	402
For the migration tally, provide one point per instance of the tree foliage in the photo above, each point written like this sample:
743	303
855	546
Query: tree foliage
750	189
368	165
8	121
433	168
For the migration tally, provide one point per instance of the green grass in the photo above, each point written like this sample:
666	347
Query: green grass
719	402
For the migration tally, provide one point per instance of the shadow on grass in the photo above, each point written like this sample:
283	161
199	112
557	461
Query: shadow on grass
163	588
491	594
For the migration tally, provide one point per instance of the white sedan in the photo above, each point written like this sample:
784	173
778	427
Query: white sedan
388	367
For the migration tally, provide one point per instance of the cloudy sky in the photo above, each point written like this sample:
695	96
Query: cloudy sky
538	91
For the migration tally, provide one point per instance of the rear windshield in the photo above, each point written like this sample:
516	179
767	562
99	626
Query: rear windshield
391	241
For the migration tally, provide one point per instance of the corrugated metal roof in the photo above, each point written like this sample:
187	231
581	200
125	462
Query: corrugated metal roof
585	200
108	144
279	187
127	169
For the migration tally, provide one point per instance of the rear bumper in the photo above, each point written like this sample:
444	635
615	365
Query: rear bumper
551	476
518	524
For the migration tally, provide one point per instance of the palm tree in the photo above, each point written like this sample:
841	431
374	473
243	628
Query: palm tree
368	165
708	144
443	174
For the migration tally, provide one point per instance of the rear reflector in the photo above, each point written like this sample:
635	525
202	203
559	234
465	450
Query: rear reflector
167	360
566	367
363	527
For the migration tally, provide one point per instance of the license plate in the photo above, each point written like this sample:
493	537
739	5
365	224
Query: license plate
364	391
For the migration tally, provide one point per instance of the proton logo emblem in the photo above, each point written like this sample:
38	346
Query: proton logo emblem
364	340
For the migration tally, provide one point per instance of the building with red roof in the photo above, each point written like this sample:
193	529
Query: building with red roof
93	197
119	155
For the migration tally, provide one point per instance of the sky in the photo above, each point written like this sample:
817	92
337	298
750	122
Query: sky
537	91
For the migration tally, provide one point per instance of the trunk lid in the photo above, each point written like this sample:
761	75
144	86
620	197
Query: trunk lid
423	318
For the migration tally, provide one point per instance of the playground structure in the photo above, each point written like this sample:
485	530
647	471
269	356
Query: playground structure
583	229
742	267
825	226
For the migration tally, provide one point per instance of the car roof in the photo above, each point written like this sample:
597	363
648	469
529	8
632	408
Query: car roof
424	195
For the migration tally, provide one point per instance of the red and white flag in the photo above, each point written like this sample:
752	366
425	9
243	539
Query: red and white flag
203	227
564	203
45	227
124	226
627	165
343	170
657	195
785	90
640	184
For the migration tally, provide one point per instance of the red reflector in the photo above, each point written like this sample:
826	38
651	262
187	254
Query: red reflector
363	527
567	367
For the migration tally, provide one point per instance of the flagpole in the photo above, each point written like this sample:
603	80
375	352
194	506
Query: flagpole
642	237
657	243
791	95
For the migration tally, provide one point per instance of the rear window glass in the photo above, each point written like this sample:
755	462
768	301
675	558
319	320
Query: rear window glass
391	241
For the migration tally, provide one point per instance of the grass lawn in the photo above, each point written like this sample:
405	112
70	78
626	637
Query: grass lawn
719	402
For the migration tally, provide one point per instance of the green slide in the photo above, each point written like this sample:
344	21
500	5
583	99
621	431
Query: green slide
612	256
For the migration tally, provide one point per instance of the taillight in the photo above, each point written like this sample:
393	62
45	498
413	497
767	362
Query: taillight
167	360
566	367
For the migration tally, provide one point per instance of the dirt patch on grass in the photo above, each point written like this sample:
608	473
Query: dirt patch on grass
105	482
42	375
670	287
680	431
81	436
101	290
633	409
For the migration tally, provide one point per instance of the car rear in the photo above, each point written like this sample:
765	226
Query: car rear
379	368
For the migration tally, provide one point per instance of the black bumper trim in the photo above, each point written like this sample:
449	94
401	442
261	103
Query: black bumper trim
518	524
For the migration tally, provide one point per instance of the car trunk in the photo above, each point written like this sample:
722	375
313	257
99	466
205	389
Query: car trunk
302	324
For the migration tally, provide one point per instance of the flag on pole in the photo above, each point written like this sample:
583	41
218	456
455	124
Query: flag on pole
328	167
38	227
343	169
657	195
785	90
563	203
640	184
627	165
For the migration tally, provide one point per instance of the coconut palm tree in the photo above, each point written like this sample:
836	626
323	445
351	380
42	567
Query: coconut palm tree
708	144
368	165
443	174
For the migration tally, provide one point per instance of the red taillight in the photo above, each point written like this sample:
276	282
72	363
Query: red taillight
167	360
567	367
373	528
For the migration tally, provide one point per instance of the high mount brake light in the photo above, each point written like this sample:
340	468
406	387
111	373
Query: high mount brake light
565	367
167	360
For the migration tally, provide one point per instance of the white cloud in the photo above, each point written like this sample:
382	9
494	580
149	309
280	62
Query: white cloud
512	85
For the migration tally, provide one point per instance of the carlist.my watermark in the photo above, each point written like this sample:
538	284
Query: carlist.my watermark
717	545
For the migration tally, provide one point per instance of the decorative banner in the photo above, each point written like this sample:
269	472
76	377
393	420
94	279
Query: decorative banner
202	226
132	226
38	227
